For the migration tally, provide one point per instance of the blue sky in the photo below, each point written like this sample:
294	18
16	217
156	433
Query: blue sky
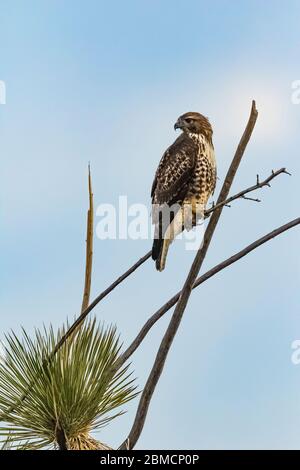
104	82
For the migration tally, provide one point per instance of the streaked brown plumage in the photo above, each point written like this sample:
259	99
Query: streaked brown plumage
184	180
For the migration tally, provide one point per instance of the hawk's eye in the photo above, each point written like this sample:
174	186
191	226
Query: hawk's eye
189	120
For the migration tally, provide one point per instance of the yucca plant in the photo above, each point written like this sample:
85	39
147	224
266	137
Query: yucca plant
78	391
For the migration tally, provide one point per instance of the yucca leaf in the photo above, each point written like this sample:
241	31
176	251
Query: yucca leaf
76	391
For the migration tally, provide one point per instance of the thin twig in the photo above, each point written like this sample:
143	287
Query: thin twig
200	280
251	199
242	194
186	292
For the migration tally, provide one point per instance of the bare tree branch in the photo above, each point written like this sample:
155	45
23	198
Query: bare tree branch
200	280
242	194
186	291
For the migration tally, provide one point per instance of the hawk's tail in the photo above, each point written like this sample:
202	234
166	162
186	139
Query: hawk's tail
159	252
161	244
156	251
158	241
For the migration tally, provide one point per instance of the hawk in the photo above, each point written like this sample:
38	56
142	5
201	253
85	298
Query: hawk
184	181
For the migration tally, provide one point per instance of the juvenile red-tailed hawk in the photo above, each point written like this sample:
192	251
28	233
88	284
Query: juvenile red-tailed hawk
183	183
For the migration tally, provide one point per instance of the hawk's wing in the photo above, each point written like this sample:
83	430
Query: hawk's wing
174	171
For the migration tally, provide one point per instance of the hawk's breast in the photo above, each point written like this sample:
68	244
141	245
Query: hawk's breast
203	181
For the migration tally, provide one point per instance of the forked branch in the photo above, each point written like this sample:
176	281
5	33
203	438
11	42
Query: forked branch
242	194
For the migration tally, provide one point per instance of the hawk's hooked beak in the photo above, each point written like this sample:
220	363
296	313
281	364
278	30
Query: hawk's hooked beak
178	124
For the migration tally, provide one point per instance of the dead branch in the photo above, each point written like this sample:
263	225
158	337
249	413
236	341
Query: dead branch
186	291
242	194
200	280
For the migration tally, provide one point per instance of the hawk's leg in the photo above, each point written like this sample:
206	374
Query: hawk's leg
193	213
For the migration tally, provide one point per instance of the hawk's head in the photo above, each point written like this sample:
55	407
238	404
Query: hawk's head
195	123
